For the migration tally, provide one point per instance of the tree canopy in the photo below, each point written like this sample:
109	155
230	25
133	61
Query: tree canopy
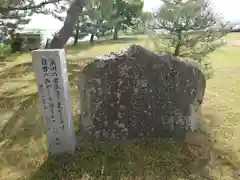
191	27
124	11
15	13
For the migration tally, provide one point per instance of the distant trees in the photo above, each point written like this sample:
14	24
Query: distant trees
146	16
124	12
102	15
140	23
236	28
91	22
117	13
15	14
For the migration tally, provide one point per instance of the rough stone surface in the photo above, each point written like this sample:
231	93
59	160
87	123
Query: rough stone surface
136	93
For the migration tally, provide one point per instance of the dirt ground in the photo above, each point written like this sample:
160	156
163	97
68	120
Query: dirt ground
234	42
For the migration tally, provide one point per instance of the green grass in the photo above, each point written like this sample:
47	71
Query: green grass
212	154
233	36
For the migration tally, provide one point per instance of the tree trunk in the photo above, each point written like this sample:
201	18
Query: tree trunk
116	29
103	33
179	44
65	32
92	38
47	44
77	33
177	49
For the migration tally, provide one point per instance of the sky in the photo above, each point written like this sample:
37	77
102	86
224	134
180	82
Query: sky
230	10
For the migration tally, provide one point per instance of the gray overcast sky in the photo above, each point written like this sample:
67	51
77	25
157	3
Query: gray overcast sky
230	10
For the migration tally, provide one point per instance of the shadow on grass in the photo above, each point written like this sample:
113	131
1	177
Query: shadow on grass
22	138
196	159
22	132
2	63
5	96
10	57
78	47
74	71
17	71
152	159
21	108
146	159
137	160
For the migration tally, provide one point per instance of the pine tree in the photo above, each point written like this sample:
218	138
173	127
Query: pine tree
191	28
14	14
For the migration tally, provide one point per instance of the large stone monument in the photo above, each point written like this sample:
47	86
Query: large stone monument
136	93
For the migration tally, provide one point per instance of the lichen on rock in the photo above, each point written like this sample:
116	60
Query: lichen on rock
137	93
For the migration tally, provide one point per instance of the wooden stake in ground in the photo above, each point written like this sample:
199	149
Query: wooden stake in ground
52	80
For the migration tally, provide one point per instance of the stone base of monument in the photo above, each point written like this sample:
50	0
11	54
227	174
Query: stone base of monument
137	94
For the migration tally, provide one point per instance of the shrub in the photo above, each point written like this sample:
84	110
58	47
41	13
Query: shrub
5	50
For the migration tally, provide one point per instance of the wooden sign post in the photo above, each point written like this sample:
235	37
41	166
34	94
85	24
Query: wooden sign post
52	81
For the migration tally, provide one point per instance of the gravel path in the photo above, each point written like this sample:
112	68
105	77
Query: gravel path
231	70
234	42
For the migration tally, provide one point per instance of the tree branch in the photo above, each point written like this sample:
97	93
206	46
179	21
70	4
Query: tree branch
29	7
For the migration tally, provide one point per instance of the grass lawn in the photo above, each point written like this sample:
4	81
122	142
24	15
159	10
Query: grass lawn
233	36
212	154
